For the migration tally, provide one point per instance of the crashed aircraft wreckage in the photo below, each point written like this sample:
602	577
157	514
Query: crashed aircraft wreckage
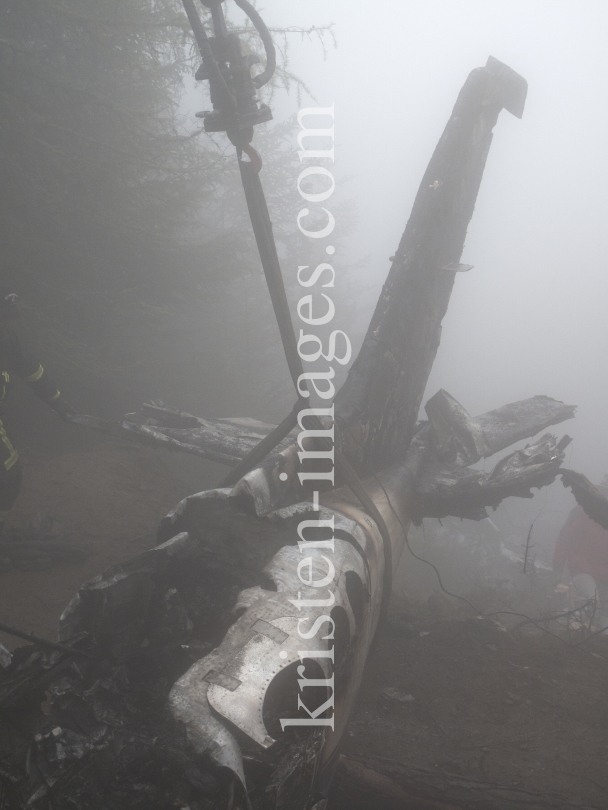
218	670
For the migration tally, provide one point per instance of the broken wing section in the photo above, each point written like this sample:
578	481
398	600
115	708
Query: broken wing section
461	439
224	440
448	484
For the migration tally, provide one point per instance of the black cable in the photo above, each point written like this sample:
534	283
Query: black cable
441	585
271	57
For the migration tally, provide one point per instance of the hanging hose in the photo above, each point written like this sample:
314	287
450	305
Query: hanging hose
271	57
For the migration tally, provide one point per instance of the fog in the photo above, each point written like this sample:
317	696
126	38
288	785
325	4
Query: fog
531	317
148	280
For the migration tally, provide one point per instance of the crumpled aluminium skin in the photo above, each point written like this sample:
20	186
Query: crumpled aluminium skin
235	680
233	685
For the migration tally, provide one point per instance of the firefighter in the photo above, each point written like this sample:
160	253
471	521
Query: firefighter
582	548
14	361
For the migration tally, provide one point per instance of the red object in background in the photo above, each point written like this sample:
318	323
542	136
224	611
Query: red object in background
583	544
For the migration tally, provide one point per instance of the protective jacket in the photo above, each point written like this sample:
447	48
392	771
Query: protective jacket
14	362
583	544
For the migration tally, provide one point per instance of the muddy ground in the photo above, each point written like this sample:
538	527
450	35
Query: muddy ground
455	693
106	500
519	709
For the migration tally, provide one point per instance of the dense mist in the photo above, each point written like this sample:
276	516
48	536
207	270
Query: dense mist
530	317
125	232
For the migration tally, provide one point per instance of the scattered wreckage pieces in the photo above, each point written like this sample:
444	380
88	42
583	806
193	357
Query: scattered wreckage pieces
28	670
104	739
42	642
108	738
217	591
587	495
361	783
